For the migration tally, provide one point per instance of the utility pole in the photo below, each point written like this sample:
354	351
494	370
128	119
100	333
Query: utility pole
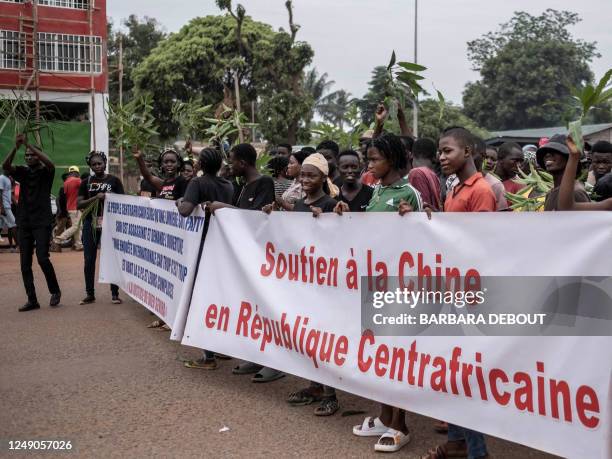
238	108
415	106
121	102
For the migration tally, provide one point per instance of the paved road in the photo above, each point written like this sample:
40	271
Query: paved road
97	376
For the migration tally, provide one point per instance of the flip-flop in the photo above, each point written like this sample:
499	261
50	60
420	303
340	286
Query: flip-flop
364	430
400	439
267	375
246	368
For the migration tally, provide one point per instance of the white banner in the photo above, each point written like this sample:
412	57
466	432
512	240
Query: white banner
151	252
284	291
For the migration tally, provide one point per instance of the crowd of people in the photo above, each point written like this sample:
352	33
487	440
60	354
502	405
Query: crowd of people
458	172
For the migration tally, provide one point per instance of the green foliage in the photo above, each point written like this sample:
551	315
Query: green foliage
587	98
225	127
344	138
140	37
527	70
196	61
334	108
19	113
191	117
377	92
132	124
535	185
433	119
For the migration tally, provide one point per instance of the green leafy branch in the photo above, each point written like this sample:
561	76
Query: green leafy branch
133	123
21	110
191	118
587	98
404	79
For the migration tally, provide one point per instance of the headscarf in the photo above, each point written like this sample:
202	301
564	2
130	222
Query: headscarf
318	160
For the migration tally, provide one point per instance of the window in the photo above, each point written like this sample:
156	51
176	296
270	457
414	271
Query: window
69	53
12	50
77	4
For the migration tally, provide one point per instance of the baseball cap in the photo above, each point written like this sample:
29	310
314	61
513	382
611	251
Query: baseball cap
556	144
74	169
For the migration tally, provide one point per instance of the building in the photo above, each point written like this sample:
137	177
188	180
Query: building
591	133
54	53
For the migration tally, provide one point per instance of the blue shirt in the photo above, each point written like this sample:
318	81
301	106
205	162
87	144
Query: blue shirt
5	187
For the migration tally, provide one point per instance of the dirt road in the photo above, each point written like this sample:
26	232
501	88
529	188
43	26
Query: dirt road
97	376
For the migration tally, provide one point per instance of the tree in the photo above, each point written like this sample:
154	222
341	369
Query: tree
316	86
197	62
527	69
141	36
334	106
431	124
285	108
377	92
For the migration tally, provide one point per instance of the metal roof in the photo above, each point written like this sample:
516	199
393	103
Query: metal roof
548	132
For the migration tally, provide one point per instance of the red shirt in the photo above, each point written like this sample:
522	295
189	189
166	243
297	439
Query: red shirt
426	181
71	189
512	187
473	195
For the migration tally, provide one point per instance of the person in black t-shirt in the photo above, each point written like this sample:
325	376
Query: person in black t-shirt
207	188
354	196
258	189
94	188
173	185
34	218
257	192
313	176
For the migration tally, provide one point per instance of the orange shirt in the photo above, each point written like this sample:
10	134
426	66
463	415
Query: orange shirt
473	195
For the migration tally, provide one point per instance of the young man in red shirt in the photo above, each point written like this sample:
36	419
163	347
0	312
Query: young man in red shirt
472	194
71	190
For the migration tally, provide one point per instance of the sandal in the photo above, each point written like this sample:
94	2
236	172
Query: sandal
267	374
458	449
370	428
327	407
155	324
400	439
164	327
305	397
246	368
202	364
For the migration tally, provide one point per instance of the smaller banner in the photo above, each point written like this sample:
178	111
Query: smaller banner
151	252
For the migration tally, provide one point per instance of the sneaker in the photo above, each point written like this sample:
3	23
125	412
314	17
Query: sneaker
29	306
77	248
55	299
116	300
88	299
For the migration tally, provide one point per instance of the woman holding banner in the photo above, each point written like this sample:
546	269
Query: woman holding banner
386	160
90	201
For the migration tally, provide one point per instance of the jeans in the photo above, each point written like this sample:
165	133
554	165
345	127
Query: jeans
475	441
90	251
41	237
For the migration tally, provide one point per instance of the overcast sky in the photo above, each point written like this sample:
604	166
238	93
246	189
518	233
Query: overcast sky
351	37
